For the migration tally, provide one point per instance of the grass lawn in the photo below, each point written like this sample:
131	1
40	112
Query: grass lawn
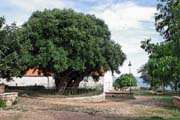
166	109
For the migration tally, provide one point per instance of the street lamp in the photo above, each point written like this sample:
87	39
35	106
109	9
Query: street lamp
130	73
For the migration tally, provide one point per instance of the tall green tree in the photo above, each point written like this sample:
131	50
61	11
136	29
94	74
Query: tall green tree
162	67
70	45
168	24
12	50
164	57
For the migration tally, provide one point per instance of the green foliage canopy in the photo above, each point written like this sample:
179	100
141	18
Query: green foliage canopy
164	64
125	80
70	45
12	50
162	68
64	39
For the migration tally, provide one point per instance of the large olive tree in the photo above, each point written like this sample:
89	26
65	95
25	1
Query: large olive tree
70	45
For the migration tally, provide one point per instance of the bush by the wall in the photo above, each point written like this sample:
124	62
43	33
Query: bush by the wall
125	80
2	104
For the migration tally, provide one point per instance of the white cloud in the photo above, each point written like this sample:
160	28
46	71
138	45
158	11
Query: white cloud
24	8
32	5
125	15
88	0
128	25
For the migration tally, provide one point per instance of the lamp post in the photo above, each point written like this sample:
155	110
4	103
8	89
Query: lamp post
130	73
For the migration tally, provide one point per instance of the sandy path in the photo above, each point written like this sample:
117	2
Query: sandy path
124	108
86	108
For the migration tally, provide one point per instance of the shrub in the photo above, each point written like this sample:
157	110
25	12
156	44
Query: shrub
125	80
2	104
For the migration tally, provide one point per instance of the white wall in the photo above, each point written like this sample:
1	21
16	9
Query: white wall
108	82
28	81
43	81
88	82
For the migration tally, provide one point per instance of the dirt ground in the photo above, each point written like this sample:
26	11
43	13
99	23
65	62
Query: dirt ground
38	108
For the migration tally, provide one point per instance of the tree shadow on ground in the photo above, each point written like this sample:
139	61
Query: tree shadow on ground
139	118
136	118
33	91
150	118
41	91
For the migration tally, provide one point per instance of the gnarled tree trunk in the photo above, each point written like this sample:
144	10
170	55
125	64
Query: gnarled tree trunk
72	88
61	82
68	83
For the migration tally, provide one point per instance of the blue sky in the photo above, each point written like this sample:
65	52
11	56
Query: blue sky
130	21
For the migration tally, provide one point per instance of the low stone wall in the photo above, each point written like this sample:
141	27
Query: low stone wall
2	88
119	95
176	101
9	98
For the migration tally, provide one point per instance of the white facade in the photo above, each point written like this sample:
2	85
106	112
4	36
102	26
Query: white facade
108	82
88	82
47	82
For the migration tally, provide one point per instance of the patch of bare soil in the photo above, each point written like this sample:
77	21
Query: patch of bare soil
75	109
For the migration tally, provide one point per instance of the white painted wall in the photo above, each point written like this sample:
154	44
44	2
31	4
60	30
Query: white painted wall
108	82
30	81
88	82
43	81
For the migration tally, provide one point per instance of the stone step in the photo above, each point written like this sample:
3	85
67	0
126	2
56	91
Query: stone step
9	98
2	88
